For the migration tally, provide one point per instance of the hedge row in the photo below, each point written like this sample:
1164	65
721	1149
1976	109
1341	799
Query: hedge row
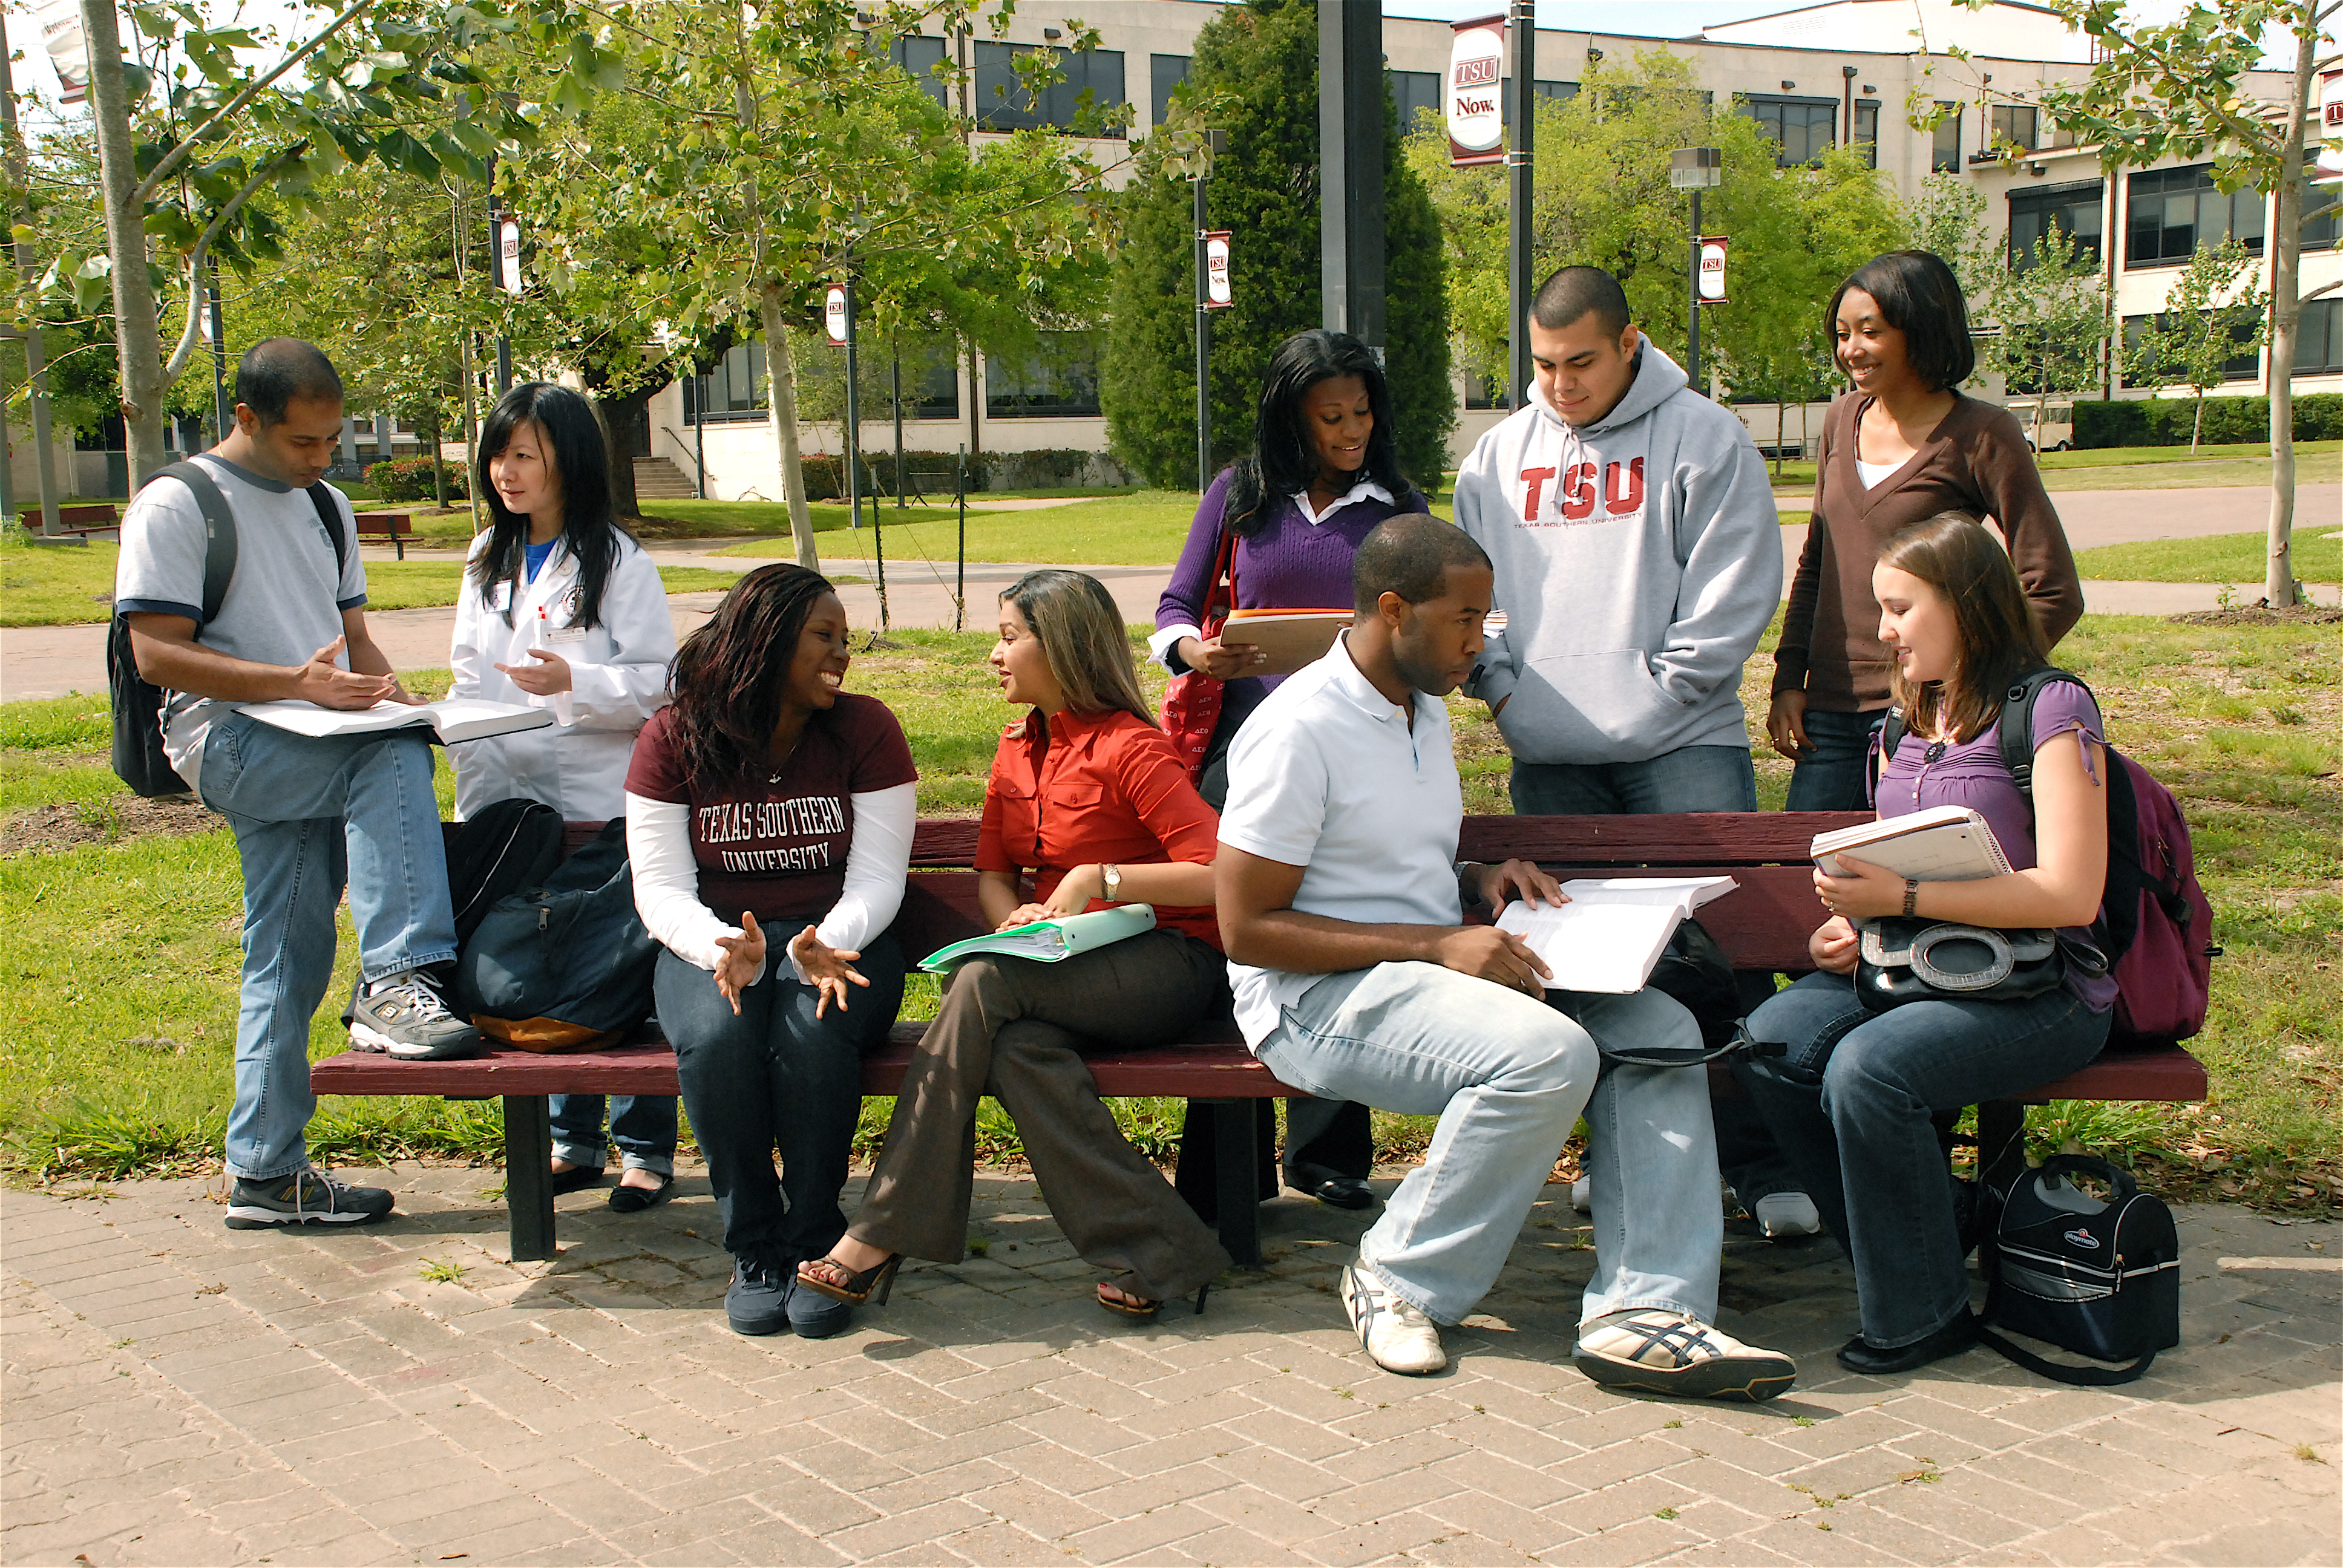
2166	421
409	479
931	473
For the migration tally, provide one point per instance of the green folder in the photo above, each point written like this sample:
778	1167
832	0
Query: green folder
1050	941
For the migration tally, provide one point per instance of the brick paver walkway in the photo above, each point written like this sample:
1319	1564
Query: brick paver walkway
178	1393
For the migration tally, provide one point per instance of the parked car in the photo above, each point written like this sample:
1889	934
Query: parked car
2057	432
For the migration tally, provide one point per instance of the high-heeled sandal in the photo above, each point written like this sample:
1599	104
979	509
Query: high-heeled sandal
1140	1308
879	1277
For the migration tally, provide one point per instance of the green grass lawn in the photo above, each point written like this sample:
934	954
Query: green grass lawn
1137	531
2221	559
118	993
76	586
2167	467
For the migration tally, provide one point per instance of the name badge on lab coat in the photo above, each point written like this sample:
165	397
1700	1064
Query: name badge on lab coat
566	608
500	596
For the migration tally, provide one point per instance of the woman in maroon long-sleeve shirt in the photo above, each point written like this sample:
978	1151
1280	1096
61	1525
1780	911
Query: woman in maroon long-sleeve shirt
1904	446
1323	472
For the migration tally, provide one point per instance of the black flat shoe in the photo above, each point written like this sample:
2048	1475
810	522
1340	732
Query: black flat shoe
1343	1192
1859	1355
626	1200
577	1179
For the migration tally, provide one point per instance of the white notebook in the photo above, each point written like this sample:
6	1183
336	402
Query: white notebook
1942	844
1611	934
451	718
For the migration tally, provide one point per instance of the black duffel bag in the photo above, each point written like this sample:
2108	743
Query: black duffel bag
566	966
2099	1279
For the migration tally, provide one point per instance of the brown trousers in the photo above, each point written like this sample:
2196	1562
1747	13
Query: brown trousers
1015	1030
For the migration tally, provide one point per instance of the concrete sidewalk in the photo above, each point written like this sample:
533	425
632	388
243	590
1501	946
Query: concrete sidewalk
179	1393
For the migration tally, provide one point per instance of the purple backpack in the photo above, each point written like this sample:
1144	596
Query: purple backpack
2154	924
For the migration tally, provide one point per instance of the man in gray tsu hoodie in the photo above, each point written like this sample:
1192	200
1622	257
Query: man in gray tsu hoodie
1638	560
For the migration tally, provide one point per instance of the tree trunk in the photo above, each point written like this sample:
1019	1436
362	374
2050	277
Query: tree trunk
1781	418
616	416
2197	426
2285	314
438	467
781	395
138	337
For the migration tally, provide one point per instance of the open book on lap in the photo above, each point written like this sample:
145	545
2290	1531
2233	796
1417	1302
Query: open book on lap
1051	941
1610	935
1942	844
451	718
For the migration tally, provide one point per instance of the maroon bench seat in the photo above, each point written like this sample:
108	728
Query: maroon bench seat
1761	927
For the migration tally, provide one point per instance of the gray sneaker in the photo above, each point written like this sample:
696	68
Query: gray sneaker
408	1019
305	1197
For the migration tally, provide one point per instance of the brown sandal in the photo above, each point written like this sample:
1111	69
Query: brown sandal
879	1277
1142	1309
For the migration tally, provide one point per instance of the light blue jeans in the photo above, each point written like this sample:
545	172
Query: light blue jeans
1689	778
1508	1077
308	814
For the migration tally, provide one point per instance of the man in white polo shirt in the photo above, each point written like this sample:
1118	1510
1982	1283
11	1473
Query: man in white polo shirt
1340	908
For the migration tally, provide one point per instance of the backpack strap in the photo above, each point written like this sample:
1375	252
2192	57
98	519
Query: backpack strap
2016	727
2077	1377
1892	730
219	533
331	516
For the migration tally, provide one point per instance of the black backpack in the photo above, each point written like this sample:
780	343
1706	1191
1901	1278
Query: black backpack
501	850
2102	1280
566	966
137	703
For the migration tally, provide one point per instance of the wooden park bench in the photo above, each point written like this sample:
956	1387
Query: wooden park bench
1761	927
95	518
385	528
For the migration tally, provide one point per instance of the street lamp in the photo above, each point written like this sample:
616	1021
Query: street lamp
1694	169
1214	142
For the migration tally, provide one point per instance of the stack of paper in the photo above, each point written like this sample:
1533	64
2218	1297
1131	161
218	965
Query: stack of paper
451	718
1291	637
1611	934
1942	844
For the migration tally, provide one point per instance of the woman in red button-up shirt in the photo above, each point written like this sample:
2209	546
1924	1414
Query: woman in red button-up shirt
1088	799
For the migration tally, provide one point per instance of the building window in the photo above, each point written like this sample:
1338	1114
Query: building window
1413	92
2322	212
2318	339
1486	388
1866	131
921	56
2172	211
734	390
1944	158
2242	366
1093	84
1056	380
1552	92
2013	126
1164	72
2073	209
1803	126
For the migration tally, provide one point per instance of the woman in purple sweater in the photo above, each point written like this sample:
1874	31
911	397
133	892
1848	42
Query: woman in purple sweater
1323	472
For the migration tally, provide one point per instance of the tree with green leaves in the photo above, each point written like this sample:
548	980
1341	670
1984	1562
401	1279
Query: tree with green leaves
2051	307
1254	74
2177	88
2216	312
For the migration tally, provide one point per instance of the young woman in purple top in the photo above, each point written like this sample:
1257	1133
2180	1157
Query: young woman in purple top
1323	472
1852	1099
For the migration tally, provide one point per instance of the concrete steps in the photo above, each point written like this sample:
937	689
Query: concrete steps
658	478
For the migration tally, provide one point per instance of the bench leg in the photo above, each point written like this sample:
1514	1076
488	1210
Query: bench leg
2001	1144
1234	1139
529	1176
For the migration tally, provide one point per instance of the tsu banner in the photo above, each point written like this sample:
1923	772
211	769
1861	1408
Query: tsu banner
1216	270
1476	78
2330	129
833	315
1712	269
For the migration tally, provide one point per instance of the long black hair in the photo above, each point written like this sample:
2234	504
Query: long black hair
727	676
1283	459
573	440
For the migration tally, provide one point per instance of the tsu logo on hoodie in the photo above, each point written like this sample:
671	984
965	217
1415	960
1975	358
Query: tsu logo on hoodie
1565	493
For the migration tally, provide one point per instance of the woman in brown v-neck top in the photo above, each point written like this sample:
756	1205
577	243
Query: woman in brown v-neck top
1901	331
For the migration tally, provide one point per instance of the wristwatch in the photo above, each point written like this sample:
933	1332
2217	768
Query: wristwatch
1911	895
1111	879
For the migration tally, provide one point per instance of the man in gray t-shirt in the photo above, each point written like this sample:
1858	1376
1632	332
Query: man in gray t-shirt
308	812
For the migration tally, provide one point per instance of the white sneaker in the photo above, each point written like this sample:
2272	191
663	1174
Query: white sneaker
1657	1350
1400	1338
1581	1194
1787	1214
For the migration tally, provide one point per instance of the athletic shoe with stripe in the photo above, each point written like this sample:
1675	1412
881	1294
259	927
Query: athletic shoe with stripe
1400	1338
1660	1351
303	1197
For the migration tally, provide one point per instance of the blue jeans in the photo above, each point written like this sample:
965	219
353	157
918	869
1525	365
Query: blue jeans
1836	775
642	1125
776	1078
1508	1077
309	813
1850	1101
1689	778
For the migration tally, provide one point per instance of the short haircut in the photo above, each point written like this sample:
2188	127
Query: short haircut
1919	296
1410	555
276	371
1574	291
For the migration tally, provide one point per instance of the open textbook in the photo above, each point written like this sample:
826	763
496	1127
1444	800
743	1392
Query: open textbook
1942	844
1611	934
1049	941
451	718
1291	637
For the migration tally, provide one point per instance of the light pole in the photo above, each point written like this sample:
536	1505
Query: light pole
1694	169
1213	142
1520	285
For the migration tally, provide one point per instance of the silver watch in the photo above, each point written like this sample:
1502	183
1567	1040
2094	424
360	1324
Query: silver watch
1111	878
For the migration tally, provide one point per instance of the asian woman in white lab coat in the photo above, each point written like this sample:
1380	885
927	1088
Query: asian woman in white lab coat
560	609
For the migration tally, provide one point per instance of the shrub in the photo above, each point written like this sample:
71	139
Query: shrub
409	479
2166	421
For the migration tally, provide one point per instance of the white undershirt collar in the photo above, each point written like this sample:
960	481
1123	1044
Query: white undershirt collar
1358	492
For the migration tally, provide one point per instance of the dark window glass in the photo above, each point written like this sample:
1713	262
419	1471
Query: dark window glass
2244	365
1094	82
1164	72
1486	388
920	56
2322	208
2171	212
1058	379
2318	340
931	378
1803	126
1553	91
1413	92
2076	209
1866	131
1944	158
734	390
2013	126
